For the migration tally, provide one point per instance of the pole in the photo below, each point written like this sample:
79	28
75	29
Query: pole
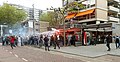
1	30
64	26
64	31
33	21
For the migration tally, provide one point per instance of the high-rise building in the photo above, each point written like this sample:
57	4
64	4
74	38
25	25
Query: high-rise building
31	23
29	12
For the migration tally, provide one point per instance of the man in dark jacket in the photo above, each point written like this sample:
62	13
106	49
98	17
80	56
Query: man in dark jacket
108	40
46	43
73	39
117	42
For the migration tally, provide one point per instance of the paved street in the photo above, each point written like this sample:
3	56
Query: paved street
31	54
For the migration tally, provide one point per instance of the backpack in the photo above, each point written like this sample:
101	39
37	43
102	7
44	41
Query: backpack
117	40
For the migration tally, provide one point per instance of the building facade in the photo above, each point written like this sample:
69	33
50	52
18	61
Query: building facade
31	23
96	12
44	26
32	13
95	17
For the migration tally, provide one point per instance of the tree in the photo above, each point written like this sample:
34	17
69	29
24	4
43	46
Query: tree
73	7
53	18
10	15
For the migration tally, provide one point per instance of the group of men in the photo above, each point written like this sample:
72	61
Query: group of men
109	39
46	41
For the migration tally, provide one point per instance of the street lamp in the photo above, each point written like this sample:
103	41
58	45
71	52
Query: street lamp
33	20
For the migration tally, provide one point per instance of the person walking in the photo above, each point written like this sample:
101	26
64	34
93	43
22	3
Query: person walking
108	40
3	40
52	41
69	38
16	41
12	39
117	42
73	39
7	40
56	42
41	41
19	41
61	40
46	43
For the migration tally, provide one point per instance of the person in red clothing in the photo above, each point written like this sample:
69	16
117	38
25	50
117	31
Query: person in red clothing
12	39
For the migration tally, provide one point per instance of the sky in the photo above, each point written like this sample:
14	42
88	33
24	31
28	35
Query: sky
39	4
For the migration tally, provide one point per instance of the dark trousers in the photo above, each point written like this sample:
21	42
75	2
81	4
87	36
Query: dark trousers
108	46
12	45
73	42
46	47
7	42
3	43
117	44
56	44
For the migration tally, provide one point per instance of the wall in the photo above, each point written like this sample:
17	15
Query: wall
43	26
101	10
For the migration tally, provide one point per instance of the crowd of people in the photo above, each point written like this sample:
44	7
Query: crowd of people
43	40
11	40
48	41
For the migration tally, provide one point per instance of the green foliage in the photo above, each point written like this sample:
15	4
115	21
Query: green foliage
10	15
50	17
74	6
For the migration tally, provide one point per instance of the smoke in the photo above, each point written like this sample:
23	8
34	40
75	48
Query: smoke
19	30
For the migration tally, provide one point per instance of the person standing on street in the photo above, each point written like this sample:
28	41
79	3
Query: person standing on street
117	42
108	40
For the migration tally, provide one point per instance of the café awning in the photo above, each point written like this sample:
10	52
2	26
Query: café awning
85	12
70	16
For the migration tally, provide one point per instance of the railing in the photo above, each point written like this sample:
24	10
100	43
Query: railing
113	19
113	9
117	0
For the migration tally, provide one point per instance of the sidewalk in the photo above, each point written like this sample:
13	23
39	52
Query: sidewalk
89	51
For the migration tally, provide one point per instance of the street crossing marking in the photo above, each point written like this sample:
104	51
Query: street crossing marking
6	50
16	55
88	61
24	59
10	52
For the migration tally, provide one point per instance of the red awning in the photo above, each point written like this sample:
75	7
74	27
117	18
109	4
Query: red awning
73	30
61	30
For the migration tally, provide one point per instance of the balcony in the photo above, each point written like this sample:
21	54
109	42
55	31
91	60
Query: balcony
86	20
116	0
113	9
113	0
113	19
